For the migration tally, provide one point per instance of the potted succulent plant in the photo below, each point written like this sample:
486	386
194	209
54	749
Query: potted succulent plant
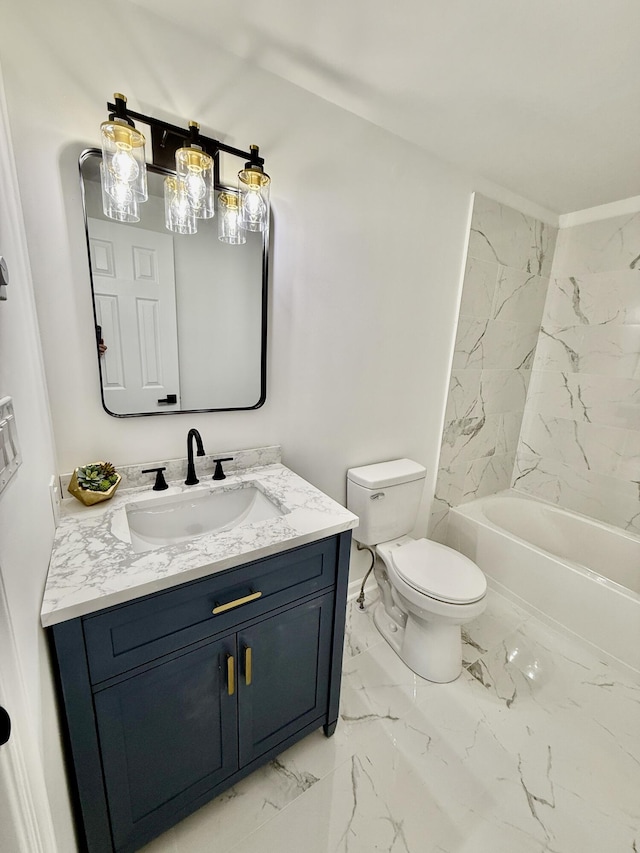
94	483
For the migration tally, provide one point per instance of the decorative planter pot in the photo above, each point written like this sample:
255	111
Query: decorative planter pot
87	496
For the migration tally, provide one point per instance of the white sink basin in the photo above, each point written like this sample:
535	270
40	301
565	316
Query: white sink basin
165	521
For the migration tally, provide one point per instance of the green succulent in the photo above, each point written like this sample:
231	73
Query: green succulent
98	477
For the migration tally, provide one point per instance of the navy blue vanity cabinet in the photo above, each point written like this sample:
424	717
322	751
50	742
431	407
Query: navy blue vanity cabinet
167	736
174	697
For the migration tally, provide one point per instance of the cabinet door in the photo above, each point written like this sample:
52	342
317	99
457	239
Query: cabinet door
283	675
167	735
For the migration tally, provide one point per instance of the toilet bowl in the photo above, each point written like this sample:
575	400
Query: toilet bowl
427	590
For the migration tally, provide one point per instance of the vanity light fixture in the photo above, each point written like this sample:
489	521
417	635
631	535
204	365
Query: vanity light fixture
118	201
194	167
229	230
189	193
253	187
178	213
124	169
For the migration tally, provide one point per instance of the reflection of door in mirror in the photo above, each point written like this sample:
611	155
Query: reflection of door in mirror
134	287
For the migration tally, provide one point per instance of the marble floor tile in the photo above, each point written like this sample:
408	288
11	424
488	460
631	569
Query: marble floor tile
534	749
483	634
361	634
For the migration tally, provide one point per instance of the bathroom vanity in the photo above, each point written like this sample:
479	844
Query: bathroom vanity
184	668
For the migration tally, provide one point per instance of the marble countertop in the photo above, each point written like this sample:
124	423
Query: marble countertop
94	566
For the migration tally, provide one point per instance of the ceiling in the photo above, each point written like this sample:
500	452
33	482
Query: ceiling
540	97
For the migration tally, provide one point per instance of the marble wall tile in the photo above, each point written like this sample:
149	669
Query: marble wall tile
582	446
504	390
559	348
629	467
500	233
488	476
469	438
525	339
483	343
609	245
604	400
609	499
504	291
566	350
464	399
450	486
480	279
611	297
611	351
509	432
534	475
437	529
606	350
519	295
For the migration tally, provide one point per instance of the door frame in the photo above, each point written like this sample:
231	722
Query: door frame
19	763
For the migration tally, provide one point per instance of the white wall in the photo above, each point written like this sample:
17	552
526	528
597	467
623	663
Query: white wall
26	519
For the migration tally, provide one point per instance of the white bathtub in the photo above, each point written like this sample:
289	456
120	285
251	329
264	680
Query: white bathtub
573	569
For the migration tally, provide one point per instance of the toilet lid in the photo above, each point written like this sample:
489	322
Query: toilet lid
439	572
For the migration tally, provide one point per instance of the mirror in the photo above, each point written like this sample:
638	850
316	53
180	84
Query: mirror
181	320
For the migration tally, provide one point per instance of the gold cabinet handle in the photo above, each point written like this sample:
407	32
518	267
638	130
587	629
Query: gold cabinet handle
222	608
231	680
248	665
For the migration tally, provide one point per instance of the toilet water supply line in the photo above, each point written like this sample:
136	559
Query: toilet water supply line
361	547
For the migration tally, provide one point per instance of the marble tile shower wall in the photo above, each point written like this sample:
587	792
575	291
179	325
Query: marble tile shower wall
503	296
580	440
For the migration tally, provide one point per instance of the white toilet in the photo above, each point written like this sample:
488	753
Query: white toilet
427	590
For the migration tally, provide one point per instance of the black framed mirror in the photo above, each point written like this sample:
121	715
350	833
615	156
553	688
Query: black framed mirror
181	320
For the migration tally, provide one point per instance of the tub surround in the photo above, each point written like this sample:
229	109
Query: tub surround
93	565
561	424
580	440
505	284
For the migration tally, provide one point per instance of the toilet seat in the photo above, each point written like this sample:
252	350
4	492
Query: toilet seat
439	572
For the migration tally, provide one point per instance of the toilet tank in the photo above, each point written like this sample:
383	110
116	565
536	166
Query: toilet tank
385	497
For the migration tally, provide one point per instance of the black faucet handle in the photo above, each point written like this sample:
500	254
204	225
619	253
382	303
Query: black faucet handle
161	483
219	474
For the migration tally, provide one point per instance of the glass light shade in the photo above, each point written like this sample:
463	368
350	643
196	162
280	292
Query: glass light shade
229	230
253	187
195	168
118	202
178	214
123	157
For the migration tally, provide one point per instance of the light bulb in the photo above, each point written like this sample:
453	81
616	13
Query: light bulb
194	168
254	205
123	165
253	186
179	216
195	187
121	193
118	201
229	230
123	157
181	207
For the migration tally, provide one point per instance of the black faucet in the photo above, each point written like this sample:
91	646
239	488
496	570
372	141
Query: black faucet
191	470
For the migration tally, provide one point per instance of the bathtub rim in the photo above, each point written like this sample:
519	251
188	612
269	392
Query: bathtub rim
473	510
